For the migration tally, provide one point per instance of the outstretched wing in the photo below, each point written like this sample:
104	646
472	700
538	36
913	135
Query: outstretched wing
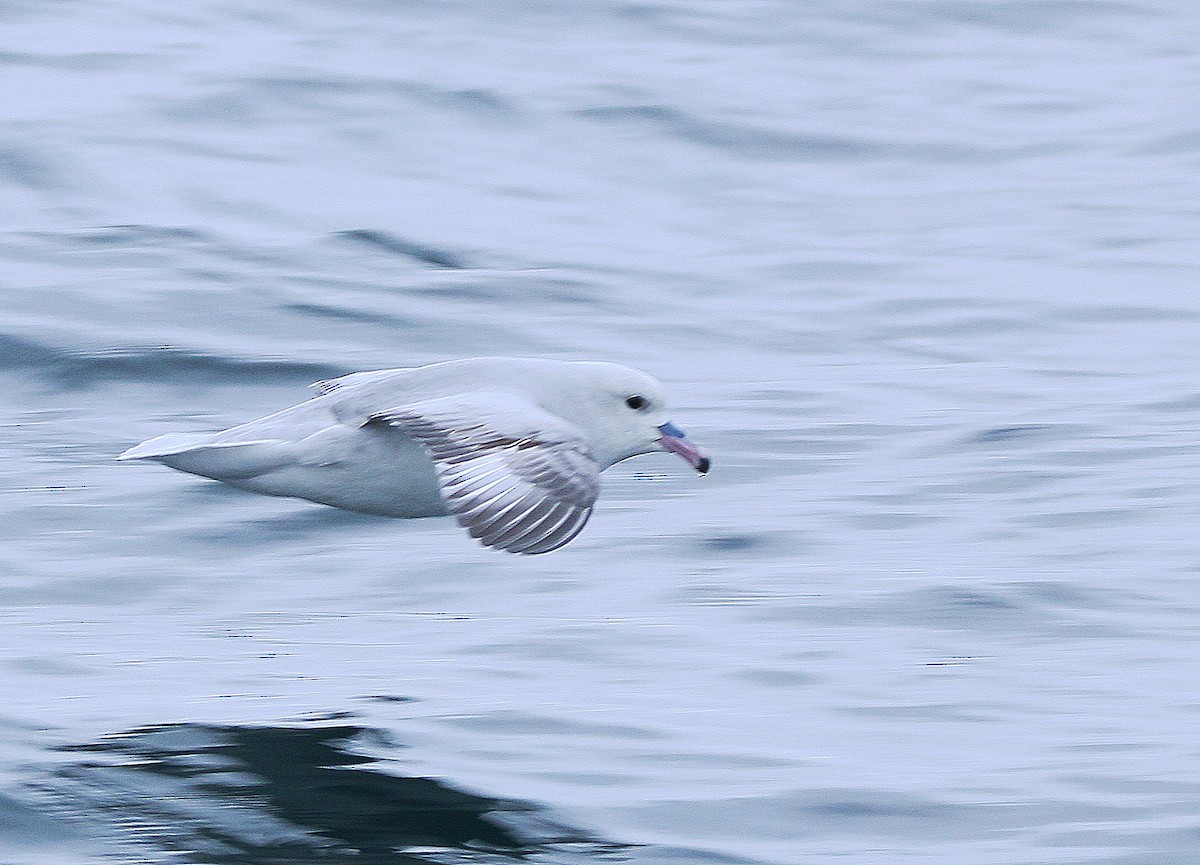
516	477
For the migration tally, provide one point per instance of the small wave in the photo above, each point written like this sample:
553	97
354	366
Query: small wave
396	245
1006	434
139	235
757	142
24	167
1016	16
748	141
74	369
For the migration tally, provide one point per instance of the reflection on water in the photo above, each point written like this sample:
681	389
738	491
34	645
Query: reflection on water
264	795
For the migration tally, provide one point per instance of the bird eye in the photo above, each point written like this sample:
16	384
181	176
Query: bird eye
636	402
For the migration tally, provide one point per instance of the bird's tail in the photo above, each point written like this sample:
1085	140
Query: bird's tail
228	461
165	445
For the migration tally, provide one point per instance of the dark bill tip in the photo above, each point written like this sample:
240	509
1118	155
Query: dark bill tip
674	441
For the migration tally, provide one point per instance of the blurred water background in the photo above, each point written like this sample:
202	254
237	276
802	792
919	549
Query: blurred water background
921	274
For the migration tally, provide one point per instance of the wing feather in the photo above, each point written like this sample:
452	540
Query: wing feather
515	477
561	534
527	523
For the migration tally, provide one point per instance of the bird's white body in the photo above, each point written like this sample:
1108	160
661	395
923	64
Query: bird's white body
511	446
305	452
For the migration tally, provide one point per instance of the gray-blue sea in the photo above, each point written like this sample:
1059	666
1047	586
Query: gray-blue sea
921	275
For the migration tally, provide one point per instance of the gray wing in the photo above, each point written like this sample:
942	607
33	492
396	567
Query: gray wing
516	477
356	380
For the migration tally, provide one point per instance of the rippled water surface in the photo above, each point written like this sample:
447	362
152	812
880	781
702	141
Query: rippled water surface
921	274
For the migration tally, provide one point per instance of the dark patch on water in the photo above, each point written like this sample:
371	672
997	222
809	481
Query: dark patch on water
1006	434
854	806
734	543
1188	403
480	101
1060	593
772	678
952	598
757	142
167	363
343	313
17	353
1016	16
273	795
475	102
746	141
528	288
26	168
397	245
74	369
139	235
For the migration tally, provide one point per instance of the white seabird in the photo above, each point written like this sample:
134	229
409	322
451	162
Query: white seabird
512	447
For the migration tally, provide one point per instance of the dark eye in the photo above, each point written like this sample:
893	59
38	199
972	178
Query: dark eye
635	402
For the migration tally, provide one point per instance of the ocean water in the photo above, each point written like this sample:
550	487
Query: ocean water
920	274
